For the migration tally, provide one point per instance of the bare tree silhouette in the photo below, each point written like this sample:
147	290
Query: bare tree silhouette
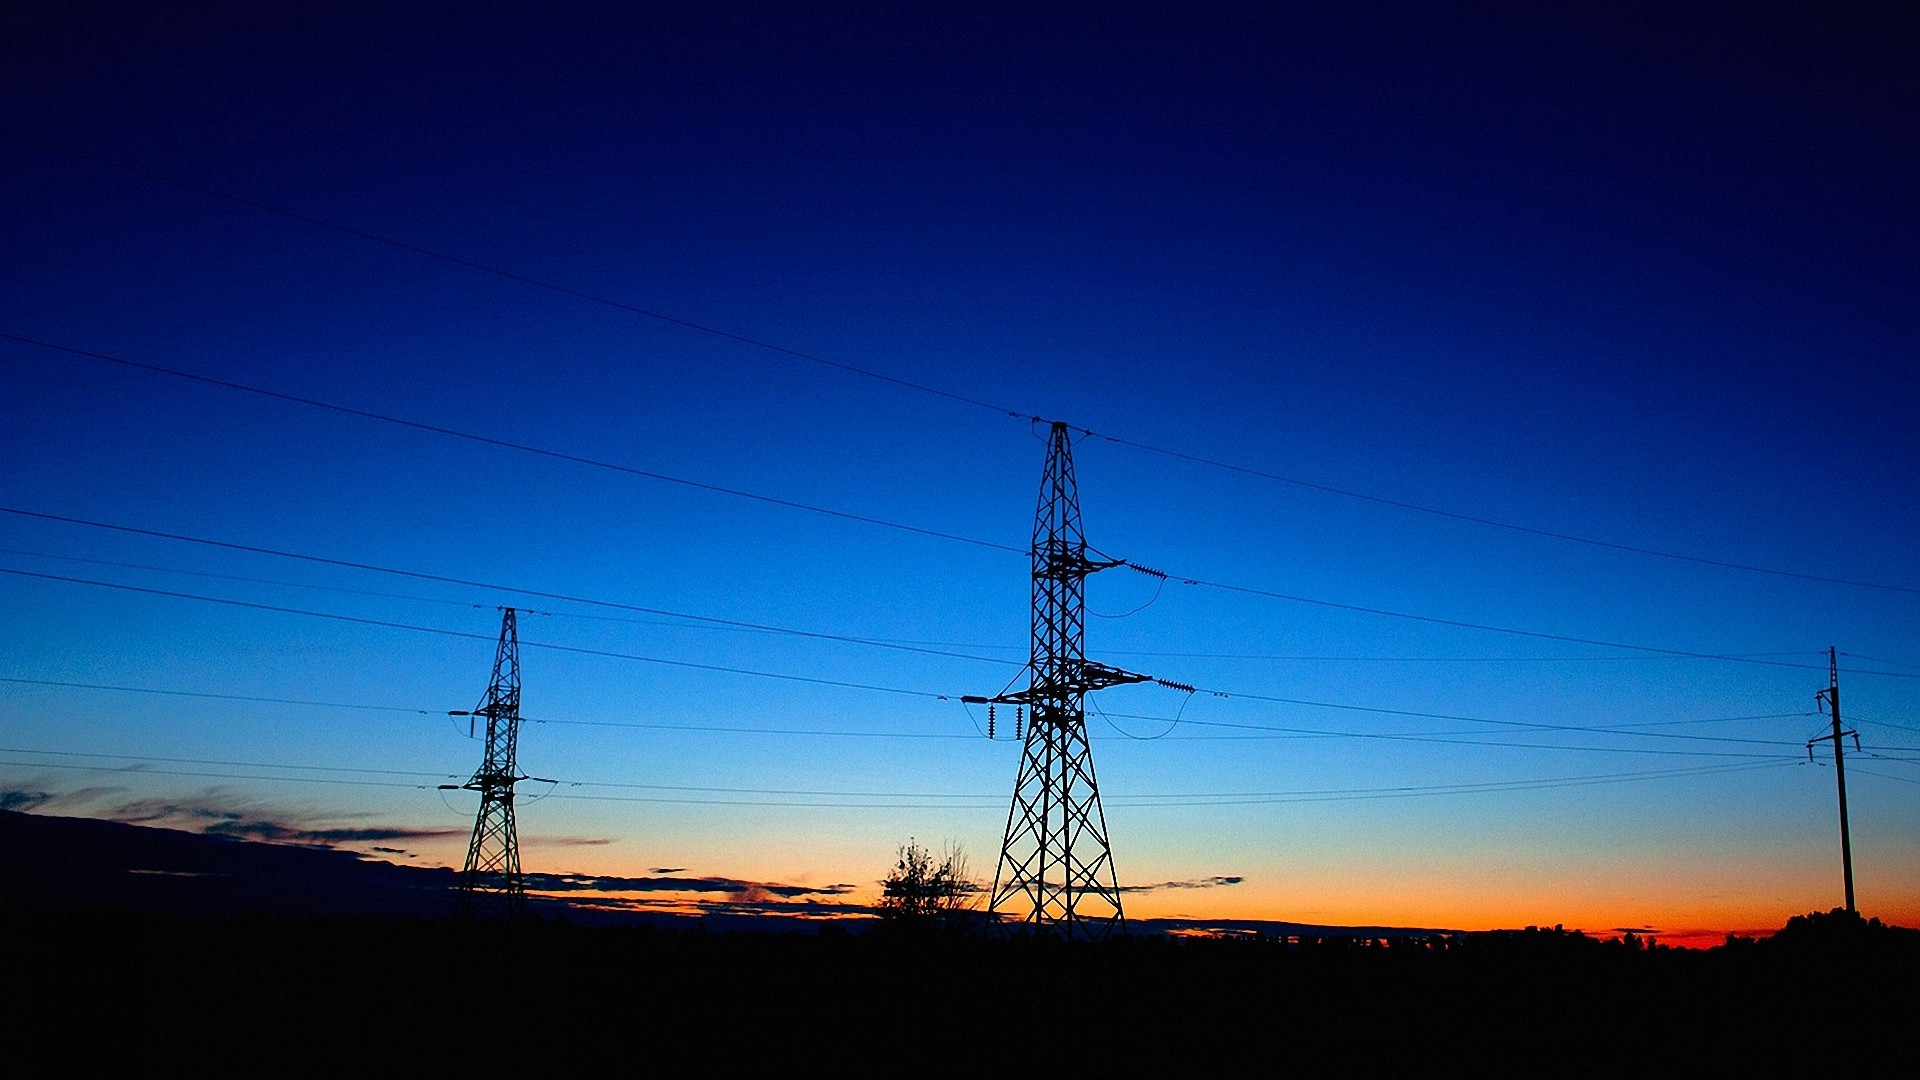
924	893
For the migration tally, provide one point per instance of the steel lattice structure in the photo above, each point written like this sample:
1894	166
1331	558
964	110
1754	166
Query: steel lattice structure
1056	875
491	884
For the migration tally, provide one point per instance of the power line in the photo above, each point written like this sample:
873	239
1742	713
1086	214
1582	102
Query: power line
1878	660
389	624
931	648
1498	524
1467	738
1268	731
1162	576
1336	795
1149	800
242	578
718	729
221	697
1305	659
466	583
223	776
506	444
879	643
523	279
1491	629
1524	724
1885	776
1857	718
707	728
1177	721
934	391
149	758
848	684
392	625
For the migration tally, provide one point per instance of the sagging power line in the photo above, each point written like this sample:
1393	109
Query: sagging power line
908	384
1654	650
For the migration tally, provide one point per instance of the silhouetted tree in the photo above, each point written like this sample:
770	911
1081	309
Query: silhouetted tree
924	894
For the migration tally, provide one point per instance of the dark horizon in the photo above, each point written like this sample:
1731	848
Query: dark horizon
81	865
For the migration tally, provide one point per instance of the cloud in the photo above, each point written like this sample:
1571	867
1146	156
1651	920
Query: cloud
220	813
24	800
1215	882
279	832
564	841
756	891
808	908
668	870
30	795
665	892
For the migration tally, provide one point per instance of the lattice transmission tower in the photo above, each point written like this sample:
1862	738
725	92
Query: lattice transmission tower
1056	876
491	884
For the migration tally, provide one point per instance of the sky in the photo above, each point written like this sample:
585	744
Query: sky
1521	402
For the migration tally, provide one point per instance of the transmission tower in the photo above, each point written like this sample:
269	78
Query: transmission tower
1056	874
491	884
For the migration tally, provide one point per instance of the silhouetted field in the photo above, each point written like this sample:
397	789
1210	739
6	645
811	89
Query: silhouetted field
133	948
269	995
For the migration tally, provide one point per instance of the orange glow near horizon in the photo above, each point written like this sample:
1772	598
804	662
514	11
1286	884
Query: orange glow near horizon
1356	895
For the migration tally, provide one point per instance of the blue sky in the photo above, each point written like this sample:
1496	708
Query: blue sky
1640	278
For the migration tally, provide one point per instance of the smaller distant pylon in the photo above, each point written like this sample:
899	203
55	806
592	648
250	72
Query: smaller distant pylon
491	885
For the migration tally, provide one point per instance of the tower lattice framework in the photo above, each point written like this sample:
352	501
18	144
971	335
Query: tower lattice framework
1056	875
491	885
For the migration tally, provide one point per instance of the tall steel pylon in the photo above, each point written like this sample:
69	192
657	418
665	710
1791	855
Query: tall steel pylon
1056	876
491	884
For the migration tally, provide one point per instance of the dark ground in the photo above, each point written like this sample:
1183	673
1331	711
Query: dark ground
134	948
272	995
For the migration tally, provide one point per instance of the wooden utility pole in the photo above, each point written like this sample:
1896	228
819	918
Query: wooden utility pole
1830	697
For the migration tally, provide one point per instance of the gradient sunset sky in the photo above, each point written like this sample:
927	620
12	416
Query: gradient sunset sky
1521	398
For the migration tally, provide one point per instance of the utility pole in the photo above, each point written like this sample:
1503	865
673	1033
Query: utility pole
1830	697
491	883
1055	873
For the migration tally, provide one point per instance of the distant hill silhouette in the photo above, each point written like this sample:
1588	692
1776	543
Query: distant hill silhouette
70	864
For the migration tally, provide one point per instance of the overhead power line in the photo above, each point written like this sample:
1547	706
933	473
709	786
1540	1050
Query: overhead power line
844	515
919	387
1527	725
1247	590
1150	571
643	725
1264	730
430	780
670	617
421	575
510	275
424	774
394	625
1453	515
253	698
1468	738
1487	627
507	444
